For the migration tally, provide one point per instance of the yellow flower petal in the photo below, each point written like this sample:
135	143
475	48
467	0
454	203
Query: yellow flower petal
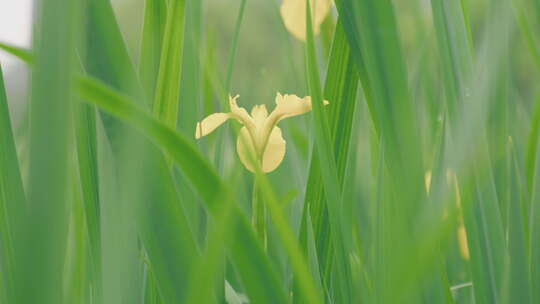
210	123
293	13
259	114
260	141
274	151
246	149
273	155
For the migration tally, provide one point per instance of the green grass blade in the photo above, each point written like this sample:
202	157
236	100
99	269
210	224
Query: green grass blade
75	275
41	256
18	52
119	105
454	51
12	196
486	236
372	32
535	230
86	142
340	89
526	29
108	58
23	54
155	14
109	61
308	288
393	109
532	151
170	65
232	52
169	275
518	284
326	160
192	84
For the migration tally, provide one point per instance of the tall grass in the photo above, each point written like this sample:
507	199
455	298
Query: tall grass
418	183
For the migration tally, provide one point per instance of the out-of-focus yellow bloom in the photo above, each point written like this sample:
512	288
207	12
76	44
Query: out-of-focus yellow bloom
260	138
293	13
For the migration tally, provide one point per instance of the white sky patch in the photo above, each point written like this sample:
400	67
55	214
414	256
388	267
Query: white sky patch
15	27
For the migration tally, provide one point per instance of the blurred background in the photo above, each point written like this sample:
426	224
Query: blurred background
269	60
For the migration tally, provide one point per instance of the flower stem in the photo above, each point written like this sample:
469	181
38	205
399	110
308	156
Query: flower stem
259	214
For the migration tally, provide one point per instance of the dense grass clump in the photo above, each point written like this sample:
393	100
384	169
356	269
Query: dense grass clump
413	175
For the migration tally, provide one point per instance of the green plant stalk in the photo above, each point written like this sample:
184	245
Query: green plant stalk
259	214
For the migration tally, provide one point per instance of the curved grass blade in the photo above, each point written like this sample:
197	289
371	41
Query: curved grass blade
108	58
23	54
18	52
263	285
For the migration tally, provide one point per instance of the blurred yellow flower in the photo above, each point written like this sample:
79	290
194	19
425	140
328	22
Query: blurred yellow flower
260	139
293	13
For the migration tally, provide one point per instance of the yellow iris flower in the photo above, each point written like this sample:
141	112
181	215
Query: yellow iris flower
293	13
260	139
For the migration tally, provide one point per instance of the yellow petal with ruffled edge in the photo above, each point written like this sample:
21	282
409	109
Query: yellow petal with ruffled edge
293	13
289	106
240	113
210	123
273	155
